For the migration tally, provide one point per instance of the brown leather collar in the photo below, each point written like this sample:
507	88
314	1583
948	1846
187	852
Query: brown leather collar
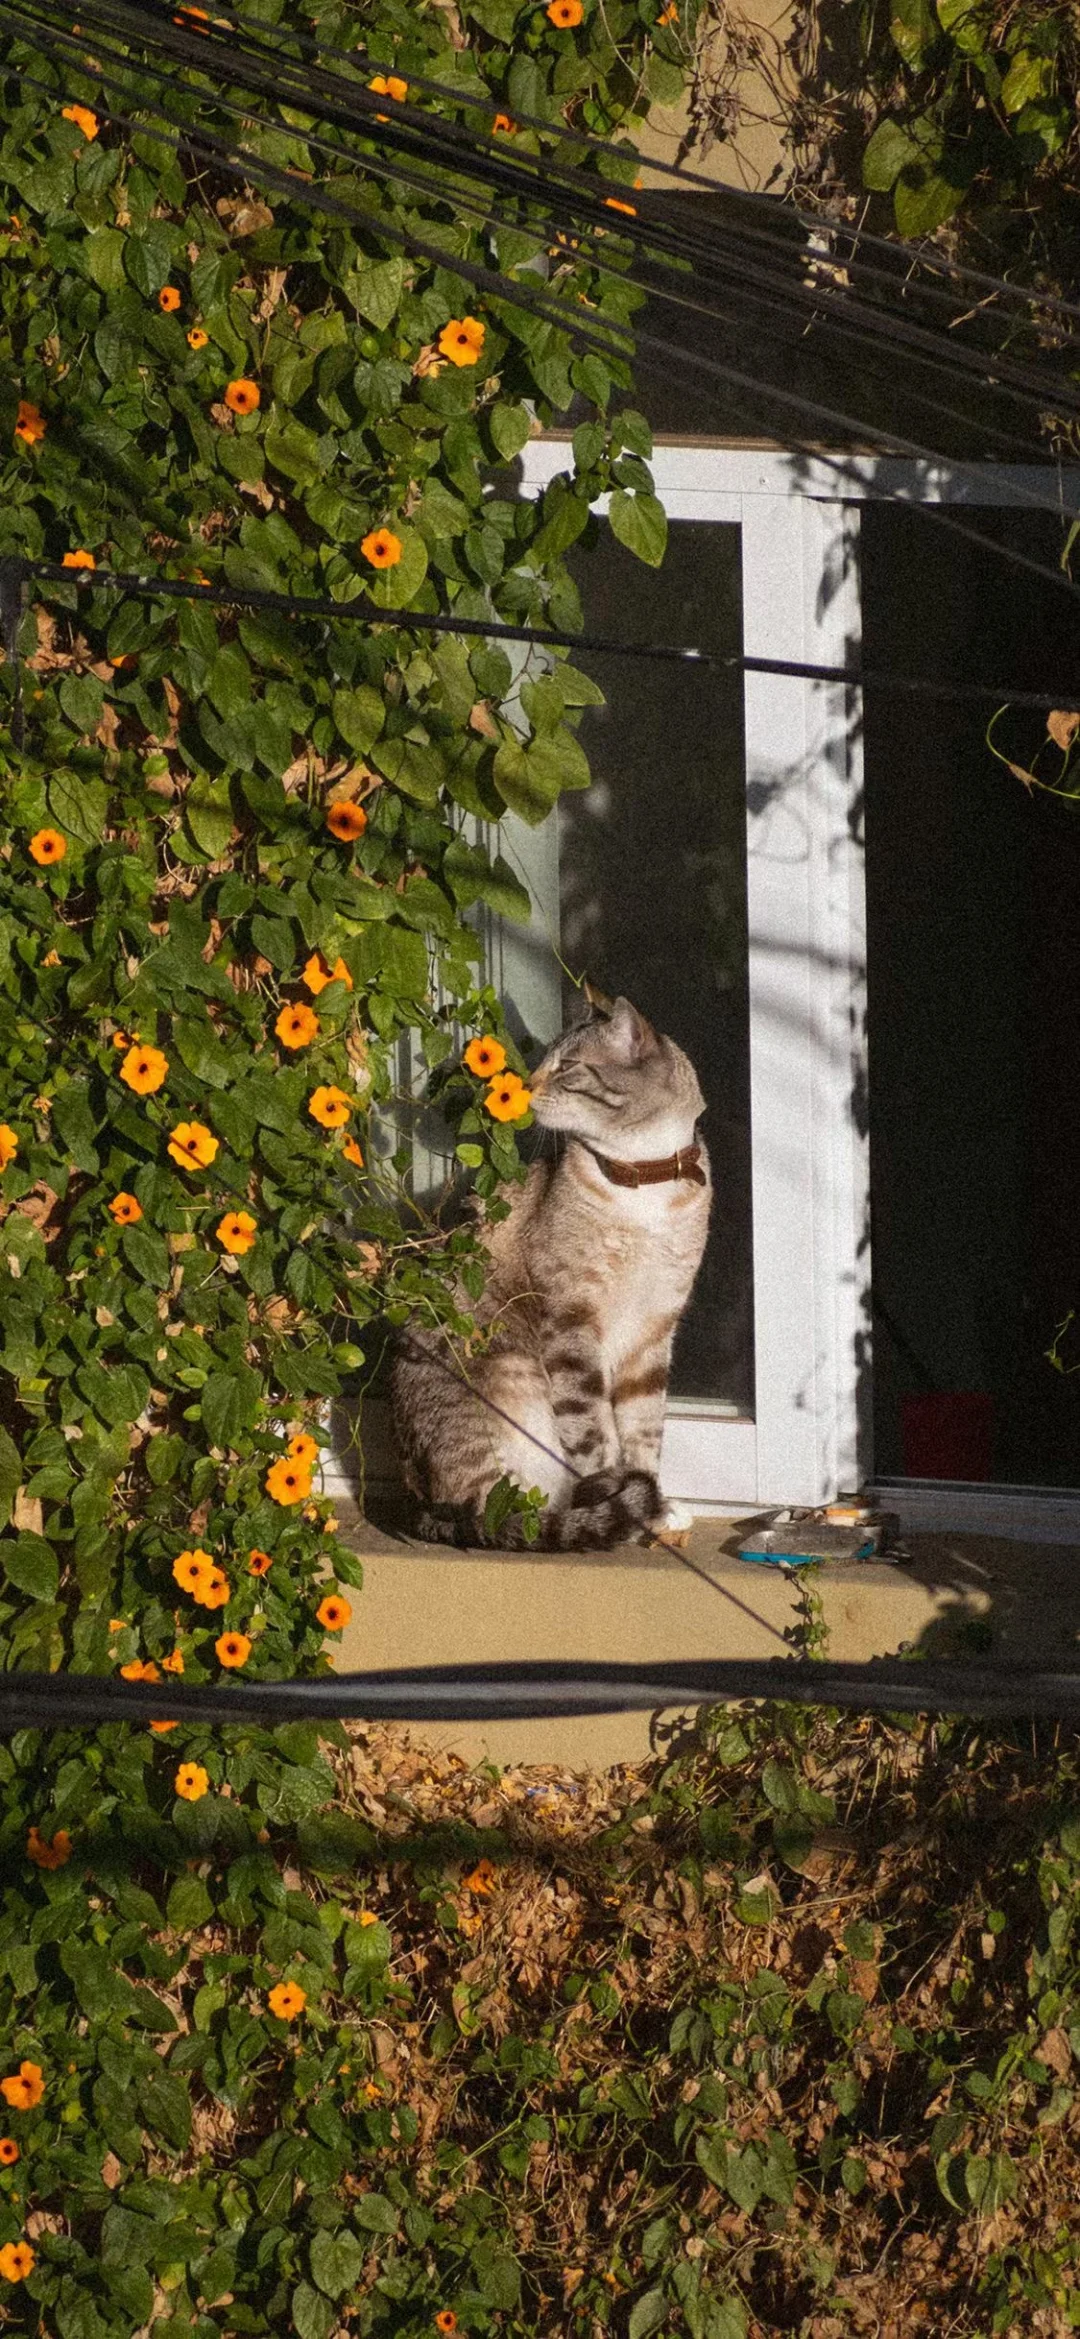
685	1163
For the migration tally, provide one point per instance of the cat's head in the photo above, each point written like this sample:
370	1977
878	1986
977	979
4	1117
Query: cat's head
618	1084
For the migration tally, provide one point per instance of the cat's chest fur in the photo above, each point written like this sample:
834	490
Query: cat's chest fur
627	1255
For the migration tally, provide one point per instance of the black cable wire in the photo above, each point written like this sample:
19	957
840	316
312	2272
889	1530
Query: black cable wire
867	326
504	170
606	340
574	327
857	237
554	637
544	1688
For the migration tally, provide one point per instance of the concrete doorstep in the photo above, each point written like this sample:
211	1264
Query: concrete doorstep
423	1604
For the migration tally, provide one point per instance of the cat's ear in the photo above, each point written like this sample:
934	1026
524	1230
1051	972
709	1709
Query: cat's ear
628	1035
598	1000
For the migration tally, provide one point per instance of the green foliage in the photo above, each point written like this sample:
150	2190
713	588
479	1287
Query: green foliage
549	2030
980	113
171	1320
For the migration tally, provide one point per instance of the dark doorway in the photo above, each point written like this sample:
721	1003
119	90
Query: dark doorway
973	904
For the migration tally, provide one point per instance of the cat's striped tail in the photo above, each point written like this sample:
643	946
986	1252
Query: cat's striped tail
606	1508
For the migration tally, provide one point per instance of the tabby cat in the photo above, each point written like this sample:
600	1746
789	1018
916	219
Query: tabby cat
590	1273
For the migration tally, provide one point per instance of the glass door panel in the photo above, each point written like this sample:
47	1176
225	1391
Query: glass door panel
652	885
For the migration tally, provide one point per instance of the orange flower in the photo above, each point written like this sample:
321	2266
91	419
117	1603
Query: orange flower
191	1782
159	1727
191	1568
505	123
330	1107
197	338
117	1624
9	1145
85	117
144	1070
286	2000
670	14
352	1153
242	397
485	1057
446	2320
482	1880
367	1917
192	1145
9	2152
317	974
233	1649
186	16
564	13
389	86
463	338
16	2261
508	1099
24	2088
30	423
287	1482
382	548
304	1450
46	846
168	299
78	560
259	1563
237	1232
125	1039
296	1027
48	1853
138	1670
346	822
212	1591
173	1664
333	1613
125	1209
611	203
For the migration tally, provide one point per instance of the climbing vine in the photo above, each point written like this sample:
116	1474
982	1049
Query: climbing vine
240	853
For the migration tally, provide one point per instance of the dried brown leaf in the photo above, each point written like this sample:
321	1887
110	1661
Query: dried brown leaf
1055	2051
274	287
359	780
1062	726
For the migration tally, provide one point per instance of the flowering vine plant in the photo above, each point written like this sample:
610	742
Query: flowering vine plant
238	857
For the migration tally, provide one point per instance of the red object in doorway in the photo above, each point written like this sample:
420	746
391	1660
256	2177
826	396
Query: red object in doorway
948	1433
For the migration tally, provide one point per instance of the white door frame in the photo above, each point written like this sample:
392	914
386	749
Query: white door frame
799	515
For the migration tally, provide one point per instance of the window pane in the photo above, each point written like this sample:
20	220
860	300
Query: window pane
653	883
